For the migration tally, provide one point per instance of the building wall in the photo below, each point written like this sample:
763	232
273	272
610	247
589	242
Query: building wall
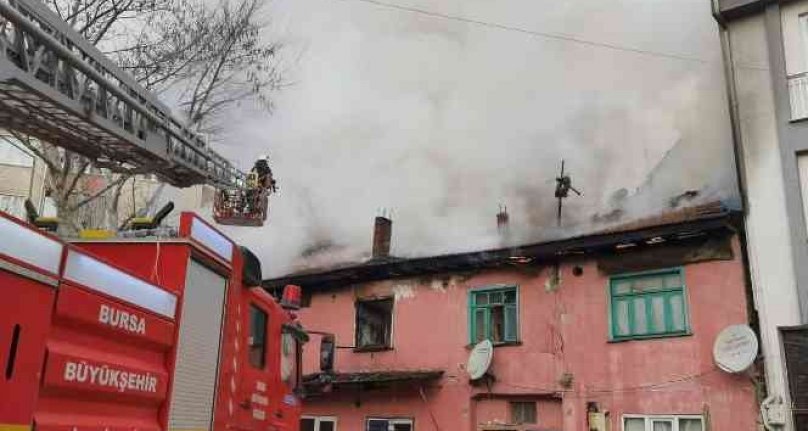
768	235
21	177
794	37
562	331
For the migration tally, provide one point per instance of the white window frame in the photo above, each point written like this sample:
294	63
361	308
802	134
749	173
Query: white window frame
319	419
650	418
391	421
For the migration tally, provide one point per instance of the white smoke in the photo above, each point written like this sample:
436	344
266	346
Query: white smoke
441	121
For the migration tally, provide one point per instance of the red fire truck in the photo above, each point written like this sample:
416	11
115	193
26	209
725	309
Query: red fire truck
144	333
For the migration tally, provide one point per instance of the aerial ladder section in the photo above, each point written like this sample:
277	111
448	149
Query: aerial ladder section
59	88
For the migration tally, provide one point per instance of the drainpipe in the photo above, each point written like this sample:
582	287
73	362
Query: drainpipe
732	101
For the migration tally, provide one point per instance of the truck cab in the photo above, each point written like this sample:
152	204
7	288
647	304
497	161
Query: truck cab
143	333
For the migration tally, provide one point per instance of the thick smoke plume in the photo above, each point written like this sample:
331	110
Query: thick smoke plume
441	121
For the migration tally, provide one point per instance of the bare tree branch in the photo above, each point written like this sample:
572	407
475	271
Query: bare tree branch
101	192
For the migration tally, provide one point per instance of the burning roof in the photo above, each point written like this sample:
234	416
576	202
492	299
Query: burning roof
675	225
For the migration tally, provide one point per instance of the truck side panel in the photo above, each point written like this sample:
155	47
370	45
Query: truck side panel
24	323
107	352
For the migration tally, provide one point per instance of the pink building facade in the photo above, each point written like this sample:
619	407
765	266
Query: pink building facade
608	332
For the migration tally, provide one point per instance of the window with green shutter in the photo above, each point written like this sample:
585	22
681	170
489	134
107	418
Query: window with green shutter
494	315
648	304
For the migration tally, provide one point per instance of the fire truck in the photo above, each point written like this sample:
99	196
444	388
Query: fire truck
143	334
163	329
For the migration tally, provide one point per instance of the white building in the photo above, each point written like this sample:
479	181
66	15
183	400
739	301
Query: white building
765	46
23	176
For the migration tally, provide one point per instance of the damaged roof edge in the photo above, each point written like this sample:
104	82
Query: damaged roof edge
722	220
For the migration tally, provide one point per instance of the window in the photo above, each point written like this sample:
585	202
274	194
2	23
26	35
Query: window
11	154
662	423
14	205
258	337
523	412
318	423
374	321
494	315
648	304
389	425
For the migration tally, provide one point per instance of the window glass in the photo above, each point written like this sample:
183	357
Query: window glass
640	316
653	305
662	425
497	324
523	412
649	283
388	424
690	425
496	317
257	339
377	425
677	313
673	280
658	313
325	423
307	424
634	424
621	315
621	286
479	322
510	323
510	297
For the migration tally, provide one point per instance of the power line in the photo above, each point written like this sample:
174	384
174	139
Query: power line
534	33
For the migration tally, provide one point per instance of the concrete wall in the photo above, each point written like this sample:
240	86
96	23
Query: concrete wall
768	234
563	331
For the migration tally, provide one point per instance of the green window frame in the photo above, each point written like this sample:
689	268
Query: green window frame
648	305
494	315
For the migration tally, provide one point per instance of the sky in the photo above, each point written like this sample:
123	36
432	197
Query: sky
440	116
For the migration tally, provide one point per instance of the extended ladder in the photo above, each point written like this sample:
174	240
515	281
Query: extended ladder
57	87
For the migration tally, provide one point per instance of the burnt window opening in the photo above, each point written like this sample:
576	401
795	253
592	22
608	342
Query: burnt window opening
523	412
305	298
258	337
374	322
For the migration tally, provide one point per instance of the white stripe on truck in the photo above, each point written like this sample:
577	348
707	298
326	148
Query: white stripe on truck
99	276
30	246
211	239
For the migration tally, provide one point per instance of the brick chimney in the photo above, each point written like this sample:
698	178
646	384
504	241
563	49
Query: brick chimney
503	228
382	233
502	220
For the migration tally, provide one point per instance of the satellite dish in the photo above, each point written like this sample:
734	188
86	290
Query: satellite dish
735	348
480	359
